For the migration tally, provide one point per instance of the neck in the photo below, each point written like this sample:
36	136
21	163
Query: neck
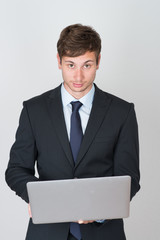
77	95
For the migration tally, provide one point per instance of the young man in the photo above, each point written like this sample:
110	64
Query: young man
75	130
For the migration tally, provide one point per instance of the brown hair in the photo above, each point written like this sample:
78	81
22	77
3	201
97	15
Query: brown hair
76	40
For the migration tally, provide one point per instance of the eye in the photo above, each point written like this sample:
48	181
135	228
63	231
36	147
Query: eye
71	65
87	66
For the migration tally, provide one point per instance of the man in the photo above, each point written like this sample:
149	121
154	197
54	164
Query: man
50	126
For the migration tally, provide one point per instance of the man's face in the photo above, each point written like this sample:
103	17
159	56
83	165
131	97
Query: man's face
78	73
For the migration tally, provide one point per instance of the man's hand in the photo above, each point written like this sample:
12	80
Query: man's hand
85	222
29	211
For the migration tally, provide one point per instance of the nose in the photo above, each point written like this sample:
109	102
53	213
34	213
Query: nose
79	74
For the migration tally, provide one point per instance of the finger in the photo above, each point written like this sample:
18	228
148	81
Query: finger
85	222
29	210
80	222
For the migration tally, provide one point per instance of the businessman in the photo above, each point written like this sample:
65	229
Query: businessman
75	131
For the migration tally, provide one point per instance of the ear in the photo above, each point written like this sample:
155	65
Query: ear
59	61
99	59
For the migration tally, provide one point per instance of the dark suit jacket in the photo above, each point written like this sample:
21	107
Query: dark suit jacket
109	147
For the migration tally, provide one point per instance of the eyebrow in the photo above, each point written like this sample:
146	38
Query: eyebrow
67	61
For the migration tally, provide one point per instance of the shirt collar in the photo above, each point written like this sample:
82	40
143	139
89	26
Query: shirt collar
85	100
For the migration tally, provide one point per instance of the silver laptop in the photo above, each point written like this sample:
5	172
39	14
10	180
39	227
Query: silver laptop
79	199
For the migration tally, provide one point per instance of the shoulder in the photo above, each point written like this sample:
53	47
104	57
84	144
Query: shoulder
117	107
114	100
119	103
41	99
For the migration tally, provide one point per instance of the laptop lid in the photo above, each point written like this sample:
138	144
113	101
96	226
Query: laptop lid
79	199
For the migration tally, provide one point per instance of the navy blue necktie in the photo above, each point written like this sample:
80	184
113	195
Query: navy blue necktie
76	129
76	135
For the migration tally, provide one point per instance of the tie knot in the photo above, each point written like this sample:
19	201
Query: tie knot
76	106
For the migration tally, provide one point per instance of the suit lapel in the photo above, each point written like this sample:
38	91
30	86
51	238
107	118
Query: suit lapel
99	110
57	117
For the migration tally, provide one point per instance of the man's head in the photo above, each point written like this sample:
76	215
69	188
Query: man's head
79	58
75	40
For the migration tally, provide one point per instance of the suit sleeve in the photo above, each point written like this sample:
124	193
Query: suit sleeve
23	155
126	156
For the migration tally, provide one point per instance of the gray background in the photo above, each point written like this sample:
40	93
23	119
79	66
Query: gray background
130	32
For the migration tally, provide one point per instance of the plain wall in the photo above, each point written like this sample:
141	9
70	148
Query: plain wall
29	30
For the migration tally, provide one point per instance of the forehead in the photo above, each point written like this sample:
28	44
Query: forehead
88	56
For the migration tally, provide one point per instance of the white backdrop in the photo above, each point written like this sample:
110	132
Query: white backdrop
130	32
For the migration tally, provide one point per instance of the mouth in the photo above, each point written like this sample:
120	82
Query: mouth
77	85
